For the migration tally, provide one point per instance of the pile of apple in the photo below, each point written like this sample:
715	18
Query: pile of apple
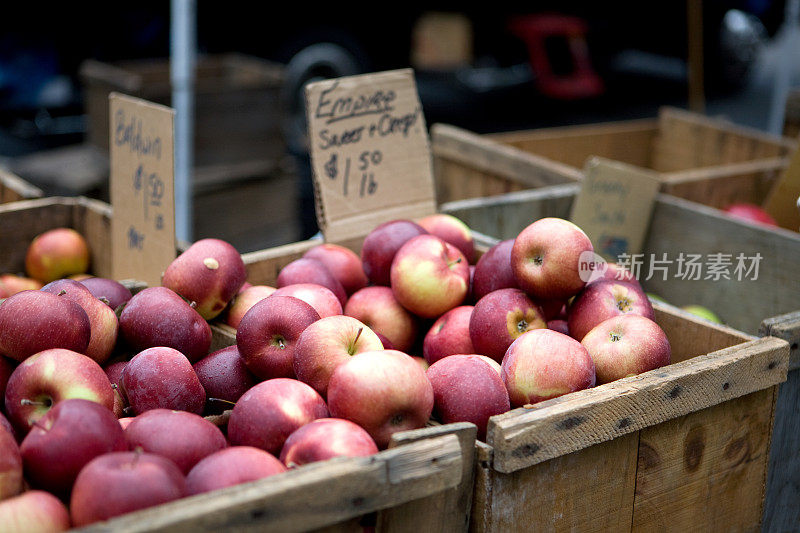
109	397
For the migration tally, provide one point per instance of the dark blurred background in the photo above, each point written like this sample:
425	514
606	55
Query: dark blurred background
486	69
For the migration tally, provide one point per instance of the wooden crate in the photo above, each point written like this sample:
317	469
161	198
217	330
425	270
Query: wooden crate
767	306
238	109
14	188
706	160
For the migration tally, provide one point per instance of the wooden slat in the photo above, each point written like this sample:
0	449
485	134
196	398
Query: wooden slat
706	471
313	496
264	266
13	188
786	327
524	437
445	511
481	513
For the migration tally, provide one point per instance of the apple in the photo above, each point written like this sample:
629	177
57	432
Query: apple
703	312
268	332
501	317
326	344
13	284
377	307
387	344
271	411
452	230
626	345
224	375
543	364
449	335
49	377
32	321
232	466
102	319
34	511
6	368
308	270
326	438
122	482
55	254
64	440
157	316
751	213
554	309
162	377
545	258
244	300
108	291
602	300
209	273
560	325
614	272
184	438
5	425
493	270
429	276
322	299
383	392
468	388
10	466
380	246
344	264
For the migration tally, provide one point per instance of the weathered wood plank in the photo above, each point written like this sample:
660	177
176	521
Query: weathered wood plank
524	437
309	497
786	327
13	188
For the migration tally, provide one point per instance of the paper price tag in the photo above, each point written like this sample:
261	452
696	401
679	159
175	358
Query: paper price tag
370	153
614	206
142	181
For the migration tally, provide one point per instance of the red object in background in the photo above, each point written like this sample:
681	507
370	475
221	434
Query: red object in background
751	212
539	31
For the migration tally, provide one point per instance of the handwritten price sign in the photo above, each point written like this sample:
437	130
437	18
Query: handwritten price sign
370	152
142	177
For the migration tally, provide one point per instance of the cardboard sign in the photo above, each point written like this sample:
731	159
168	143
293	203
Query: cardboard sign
142	180
782	200
614	206
370	153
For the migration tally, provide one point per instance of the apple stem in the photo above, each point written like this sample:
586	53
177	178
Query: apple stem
26	401
193	304
62	293
352	347
457	261
221	400
104	300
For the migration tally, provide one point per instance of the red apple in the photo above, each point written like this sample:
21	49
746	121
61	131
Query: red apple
55	254
102	319
308	270
268	332
210	273
157	316
49	377
232	466
468	388
326	344
344	264
545	258
5	425
626	345
613	272
543	364
452	230
751	213
109	291
122	482
429	276
244	300
387	344
271	411
493	270
64	440
13	284
377	307
184	438
559	325
32	321
382	243
35	511
224	375
322	299
449	335
383	392
10	465
324	439
605	299
501	317
162	377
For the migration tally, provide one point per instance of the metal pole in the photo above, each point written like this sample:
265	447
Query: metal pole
183	45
